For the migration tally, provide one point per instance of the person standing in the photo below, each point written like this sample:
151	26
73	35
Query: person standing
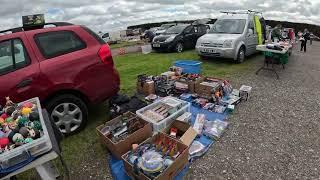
311	38
304	39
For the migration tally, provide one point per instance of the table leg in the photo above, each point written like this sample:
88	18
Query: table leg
47	171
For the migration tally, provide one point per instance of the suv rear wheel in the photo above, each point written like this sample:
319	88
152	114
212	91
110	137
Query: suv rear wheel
68	112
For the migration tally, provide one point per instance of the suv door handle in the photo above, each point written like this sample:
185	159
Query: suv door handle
24	83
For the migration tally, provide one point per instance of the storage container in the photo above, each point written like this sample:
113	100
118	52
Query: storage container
159	126
22	155
188	66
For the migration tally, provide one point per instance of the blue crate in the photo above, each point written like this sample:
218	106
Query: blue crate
189	66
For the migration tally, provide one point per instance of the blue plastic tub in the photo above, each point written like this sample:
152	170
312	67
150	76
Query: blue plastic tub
188	66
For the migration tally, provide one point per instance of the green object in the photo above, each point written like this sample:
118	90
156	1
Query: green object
22	121
37	125
28	140
258	29
9	119
280	58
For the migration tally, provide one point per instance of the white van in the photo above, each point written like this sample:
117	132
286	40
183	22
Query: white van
232	36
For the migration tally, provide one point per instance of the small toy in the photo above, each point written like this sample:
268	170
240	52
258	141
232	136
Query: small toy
24	131
18	139
1	121
4	142
134	146
22	121
198	124
173	132
27	105
37	125
15	115
8	102
34	133
26	111
2	134
4	116
34	116
9	119
12	125
28	140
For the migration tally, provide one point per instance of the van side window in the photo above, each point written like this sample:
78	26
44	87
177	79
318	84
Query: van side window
189	30
251	25
13	56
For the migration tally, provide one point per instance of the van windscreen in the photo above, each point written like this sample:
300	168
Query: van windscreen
228	26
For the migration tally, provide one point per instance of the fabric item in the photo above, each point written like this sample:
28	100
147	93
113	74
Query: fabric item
304	46
264	27
258	29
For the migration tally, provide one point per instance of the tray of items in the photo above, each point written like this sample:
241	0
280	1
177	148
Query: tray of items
159	157
23	134
163	112
121	132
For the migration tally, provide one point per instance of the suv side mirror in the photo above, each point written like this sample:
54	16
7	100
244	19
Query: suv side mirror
250	32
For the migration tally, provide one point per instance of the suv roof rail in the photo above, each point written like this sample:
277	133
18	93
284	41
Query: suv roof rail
20	29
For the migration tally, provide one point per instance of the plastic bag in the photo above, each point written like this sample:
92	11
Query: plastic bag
196	149
214	129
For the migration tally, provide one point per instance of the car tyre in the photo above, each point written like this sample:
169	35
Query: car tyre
179	47
241	55
68	112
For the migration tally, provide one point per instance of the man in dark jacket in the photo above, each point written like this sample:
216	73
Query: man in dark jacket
306	37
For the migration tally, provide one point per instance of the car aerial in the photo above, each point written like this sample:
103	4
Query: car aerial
179	37
232	36
163	28
67	66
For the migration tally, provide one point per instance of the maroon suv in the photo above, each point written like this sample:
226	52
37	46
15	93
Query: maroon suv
67	66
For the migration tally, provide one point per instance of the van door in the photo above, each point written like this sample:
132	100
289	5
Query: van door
251	39
189	37
19	69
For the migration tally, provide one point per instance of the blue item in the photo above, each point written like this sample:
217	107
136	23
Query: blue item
6	171
189	66
186	97
119	173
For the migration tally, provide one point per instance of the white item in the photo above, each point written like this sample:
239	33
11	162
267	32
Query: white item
146	49
214	129
186	117
36	148
158	126
198	124
245	92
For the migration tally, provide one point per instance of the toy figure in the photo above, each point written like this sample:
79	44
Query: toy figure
34	116
25	111
9	120
2	121
34	133
24	131
28	140
36	125
4	142
4	116
22	121
27	105
17	139
8	102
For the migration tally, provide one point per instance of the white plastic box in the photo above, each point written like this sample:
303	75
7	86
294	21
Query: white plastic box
159	126
26	152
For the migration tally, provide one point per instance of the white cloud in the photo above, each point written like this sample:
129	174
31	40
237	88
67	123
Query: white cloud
111	15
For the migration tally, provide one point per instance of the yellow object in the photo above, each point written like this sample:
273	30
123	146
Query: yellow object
1	121
25	111
258	29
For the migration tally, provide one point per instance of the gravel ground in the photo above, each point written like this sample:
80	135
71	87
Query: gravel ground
275	135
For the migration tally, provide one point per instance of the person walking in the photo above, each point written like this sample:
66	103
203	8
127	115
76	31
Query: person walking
311	38
305	37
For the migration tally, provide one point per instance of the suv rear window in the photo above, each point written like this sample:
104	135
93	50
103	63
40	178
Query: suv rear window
53	44
12	56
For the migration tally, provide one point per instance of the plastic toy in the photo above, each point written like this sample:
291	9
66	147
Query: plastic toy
1	121
26	111
27	105
22	121
24	131
37	125
4	116
4	142
34	116
9	119
28	140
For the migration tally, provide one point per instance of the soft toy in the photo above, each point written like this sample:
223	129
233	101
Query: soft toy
4	142
27	105
25	111
34	116
24	131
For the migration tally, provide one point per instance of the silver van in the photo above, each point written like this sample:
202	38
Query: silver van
232	36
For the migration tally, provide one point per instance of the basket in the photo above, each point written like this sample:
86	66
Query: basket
189	66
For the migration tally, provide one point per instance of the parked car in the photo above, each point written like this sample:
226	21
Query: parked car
163	28
67	66
111	37
178	38
232	36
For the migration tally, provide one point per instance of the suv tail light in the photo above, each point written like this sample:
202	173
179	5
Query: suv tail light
105	54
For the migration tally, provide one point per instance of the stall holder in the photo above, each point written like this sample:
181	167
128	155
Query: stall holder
273	57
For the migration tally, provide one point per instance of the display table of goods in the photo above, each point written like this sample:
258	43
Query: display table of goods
23	134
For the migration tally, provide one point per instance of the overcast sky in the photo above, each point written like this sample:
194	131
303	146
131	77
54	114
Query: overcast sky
109	15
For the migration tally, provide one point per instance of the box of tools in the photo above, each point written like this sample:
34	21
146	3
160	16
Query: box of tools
160	157
121	132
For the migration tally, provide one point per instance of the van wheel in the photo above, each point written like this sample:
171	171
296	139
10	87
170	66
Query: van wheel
68	112
241	55
179	47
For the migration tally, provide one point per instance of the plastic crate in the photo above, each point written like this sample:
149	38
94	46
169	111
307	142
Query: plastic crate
188	66
22	155
159	126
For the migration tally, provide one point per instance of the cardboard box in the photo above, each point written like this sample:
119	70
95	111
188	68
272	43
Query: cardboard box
192	84
245	92
206	89
146	88
120	148
170	172
185	134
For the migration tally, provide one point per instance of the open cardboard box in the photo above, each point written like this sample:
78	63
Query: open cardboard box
146	88
186	134
205	90
170	172
121	147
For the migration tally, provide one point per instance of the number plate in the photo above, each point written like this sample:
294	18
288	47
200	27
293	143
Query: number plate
156	45
209	50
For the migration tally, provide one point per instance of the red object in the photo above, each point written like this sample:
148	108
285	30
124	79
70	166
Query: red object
28	105
4	142
173	132
80	72
4	116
